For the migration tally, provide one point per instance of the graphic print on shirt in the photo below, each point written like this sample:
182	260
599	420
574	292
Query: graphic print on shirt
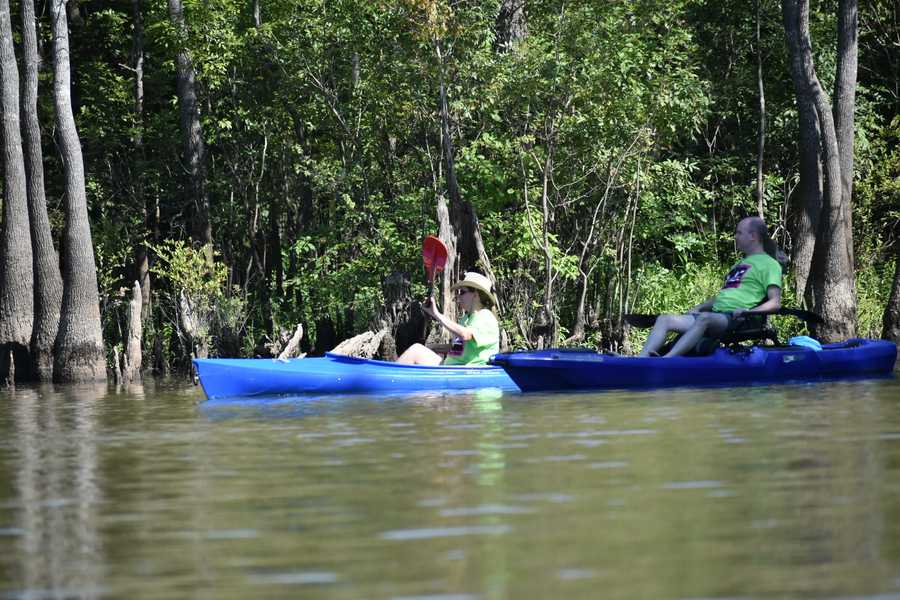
456	346
736	276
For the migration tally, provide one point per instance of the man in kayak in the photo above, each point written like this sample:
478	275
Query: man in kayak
477	335
752	285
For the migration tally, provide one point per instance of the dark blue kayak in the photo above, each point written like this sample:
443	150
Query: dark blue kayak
337	374
559	369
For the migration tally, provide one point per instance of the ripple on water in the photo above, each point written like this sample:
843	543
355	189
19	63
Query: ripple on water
439	597
295	578
557	459
551	497
609	464
232	534
485	509
428	533
691	485
574	574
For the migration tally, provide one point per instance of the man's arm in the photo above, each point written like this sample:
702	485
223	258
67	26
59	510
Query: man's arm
772	303
703	306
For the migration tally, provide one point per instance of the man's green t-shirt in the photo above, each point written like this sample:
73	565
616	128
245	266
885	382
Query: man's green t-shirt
484	342
747	283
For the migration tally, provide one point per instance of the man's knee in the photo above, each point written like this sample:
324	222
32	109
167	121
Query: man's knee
667	321
711	321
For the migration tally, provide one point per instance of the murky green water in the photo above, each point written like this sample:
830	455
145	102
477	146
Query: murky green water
767	492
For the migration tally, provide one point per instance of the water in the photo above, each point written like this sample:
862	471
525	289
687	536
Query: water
149	492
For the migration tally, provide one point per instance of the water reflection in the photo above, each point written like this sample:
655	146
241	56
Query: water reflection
58	491
787	491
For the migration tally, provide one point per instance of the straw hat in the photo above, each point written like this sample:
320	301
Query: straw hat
479	282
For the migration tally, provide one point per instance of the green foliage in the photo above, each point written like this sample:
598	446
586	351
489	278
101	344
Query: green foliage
662	290
873	291
186	269
634	122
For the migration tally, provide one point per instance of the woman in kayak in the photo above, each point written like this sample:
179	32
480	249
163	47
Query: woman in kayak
753	285
477	335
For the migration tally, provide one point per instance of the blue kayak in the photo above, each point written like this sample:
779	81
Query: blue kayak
337	374
560	369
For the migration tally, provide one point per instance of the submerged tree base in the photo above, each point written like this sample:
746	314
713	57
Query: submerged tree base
15	363
81	363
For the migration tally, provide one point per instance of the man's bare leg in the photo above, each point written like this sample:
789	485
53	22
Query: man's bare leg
664	324
706	324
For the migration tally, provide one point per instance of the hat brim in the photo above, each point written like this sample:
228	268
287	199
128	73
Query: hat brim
475	286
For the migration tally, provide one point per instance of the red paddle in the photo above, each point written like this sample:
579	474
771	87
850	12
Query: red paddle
434	255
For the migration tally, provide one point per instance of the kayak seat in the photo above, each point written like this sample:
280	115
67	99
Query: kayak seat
749	329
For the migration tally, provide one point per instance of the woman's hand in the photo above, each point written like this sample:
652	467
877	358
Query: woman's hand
431	308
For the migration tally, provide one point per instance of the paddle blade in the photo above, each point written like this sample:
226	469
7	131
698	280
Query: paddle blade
434	256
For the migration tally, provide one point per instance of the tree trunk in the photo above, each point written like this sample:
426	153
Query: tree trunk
448	236
761	138
79	354
831	289
545	325
131	364
141	252
845	107
16	268
891	321
807	203
511	26
194	146
400	317
48	287
470	251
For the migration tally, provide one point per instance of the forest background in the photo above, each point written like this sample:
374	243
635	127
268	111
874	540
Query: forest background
258	165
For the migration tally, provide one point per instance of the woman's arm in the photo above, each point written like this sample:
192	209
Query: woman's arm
455	328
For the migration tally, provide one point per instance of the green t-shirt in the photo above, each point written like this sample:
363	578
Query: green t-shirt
747	283
484	342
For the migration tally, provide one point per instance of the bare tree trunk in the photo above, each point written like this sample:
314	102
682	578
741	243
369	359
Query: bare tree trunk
131	364
470	251
511	26
16	267
48	287
845	108
761	140
807	201
891	320
141	253
79	354
448	236
194	146
401	318
831	290
546	321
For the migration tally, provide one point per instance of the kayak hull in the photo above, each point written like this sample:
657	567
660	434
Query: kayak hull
337	374
559	369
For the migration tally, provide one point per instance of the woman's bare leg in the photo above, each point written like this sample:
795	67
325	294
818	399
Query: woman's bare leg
417	354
